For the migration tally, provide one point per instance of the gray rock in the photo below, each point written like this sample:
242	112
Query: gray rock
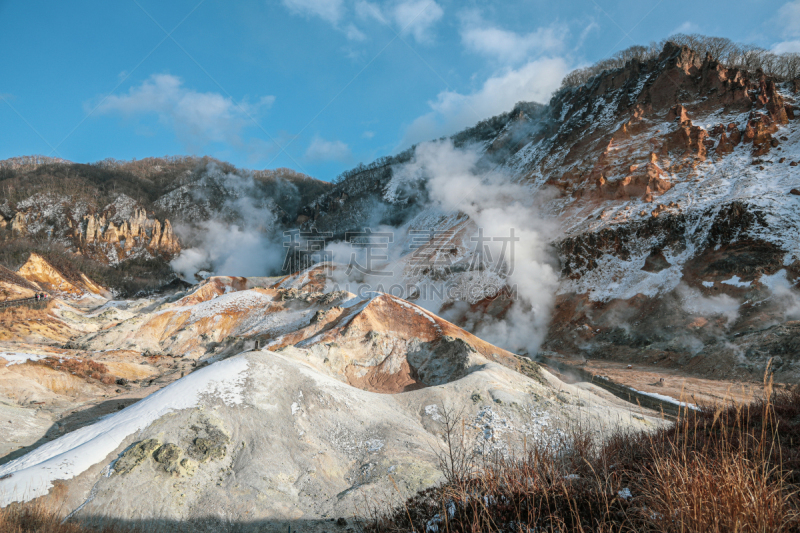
135	455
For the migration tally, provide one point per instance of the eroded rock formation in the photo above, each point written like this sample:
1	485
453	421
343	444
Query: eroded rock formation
138	231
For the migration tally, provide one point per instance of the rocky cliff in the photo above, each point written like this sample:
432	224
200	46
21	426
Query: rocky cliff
138	231
672	187
124	214
111	235
673	183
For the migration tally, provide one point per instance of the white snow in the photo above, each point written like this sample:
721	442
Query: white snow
699	194
415	309
15	358
68	456
778	282
433	412
665	398
616	278
225	303
708	284
374	445
736	282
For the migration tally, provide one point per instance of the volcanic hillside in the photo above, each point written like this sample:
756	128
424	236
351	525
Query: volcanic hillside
668	183
199	403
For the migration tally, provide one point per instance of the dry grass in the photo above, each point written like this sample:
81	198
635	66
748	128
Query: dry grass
24	321
82	368
730	469
45	515
36	519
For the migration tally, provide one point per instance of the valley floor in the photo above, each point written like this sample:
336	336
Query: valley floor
674	383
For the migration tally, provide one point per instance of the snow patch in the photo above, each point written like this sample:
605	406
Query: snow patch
433	412
778	282
15	358
668	399
68	456
736	282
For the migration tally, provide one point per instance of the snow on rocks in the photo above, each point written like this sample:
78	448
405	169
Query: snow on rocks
433	412
15	358
32	475
491	427
736	282
225	303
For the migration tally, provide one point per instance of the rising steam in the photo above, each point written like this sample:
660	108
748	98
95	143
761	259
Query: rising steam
497	205
240	238
455	182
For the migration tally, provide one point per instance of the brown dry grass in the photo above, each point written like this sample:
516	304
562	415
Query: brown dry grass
82	368
729	469
45	515
23	322
37	519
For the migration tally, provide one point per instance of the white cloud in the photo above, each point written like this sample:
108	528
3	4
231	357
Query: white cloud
787	47
353	33
688	27
417	17
507	46
197	118
368	134
330	11
789	18
409	17
322	150
370	11
452	111
585	33
788	22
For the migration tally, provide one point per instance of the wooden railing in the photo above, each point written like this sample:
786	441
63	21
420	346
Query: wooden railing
21	301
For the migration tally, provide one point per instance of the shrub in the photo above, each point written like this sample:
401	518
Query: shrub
729	469
82	368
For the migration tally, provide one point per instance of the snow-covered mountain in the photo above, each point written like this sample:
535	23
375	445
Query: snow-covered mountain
643	224
668	190
656	204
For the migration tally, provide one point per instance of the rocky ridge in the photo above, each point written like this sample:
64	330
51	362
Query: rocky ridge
670	182
119	231
121	213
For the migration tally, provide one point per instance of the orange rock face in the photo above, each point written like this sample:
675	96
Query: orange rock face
38	271
137	232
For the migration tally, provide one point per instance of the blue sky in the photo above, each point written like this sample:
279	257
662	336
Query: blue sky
314	85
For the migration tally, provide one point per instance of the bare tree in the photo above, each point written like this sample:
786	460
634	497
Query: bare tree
724	51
